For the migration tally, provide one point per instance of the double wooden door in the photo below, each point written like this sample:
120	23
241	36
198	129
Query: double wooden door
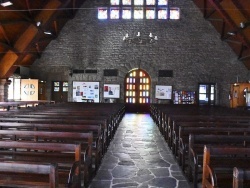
59	91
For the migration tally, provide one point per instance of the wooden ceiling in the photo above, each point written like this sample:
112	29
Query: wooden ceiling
231	18
27	27
22	39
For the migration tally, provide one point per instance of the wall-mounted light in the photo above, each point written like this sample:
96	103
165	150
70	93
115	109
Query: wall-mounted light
138	39
6	3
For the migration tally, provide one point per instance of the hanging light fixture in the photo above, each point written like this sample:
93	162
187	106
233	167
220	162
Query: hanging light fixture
6	3
138	39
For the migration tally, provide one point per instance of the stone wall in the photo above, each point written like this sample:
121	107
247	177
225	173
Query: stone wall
190	47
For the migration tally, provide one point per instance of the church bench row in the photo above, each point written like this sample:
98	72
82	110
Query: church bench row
18	104
22	168
241	177
196	148
219	163
97	148
185	131
46	137
67	158
103	122
195	117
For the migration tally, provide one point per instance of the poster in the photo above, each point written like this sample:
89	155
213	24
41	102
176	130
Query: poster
85	91
163	92
29	89
111	91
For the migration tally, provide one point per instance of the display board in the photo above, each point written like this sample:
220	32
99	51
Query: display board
86	91
111	91
163	92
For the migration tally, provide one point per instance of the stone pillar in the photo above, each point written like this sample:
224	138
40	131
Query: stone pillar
4	86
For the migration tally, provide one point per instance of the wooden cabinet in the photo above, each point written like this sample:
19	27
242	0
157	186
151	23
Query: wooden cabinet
239	93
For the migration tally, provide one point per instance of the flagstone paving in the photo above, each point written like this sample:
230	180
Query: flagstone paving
138	157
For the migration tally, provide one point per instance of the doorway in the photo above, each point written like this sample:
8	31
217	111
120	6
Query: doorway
59	91
137	91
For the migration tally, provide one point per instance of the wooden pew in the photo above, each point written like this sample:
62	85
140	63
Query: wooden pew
67	157
196	148
97	149
204	128
106	135
241	177
86	140
50	170
219	162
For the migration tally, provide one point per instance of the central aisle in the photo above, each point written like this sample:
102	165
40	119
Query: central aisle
138	157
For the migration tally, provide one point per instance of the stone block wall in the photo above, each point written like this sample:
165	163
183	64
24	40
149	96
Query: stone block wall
191	47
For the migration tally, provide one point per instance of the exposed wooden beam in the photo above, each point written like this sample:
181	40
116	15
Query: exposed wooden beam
228	19
28	7
4	34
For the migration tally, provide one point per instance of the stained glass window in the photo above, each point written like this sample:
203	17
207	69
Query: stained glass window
138	13
102	13
126	13
150	2
163	2
150	13
114	13
162	13
138	2
126	2
114	2
174	13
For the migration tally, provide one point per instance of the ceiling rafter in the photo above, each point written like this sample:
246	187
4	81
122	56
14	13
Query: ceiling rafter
28	36
4	34
28	7
228	19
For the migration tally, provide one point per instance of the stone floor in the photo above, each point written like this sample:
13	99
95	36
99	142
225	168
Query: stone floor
138	157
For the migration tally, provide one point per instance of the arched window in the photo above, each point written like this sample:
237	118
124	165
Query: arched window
137	87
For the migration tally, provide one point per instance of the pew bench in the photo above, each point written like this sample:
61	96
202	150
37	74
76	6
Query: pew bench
241	177
97	148
30	170
219	162
67	158
196	150
85	139
204	128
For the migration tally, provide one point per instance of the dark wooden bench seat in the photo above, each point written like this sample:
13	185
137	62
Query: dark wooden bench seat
241	177
173	126
196	149
185	131
106	134
31	170
86	140
219	162
67	158
97	149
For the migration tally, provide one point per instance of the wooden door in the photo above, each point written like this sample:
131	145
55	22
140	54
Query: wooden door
137	90
59	91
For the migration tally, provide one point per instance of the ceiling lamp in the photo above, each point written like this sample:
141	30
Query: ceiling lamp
243	25
6	3
138	39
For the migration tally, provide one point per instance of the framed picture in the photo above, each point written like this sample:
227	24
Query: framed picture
86	91
111	91
163	92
